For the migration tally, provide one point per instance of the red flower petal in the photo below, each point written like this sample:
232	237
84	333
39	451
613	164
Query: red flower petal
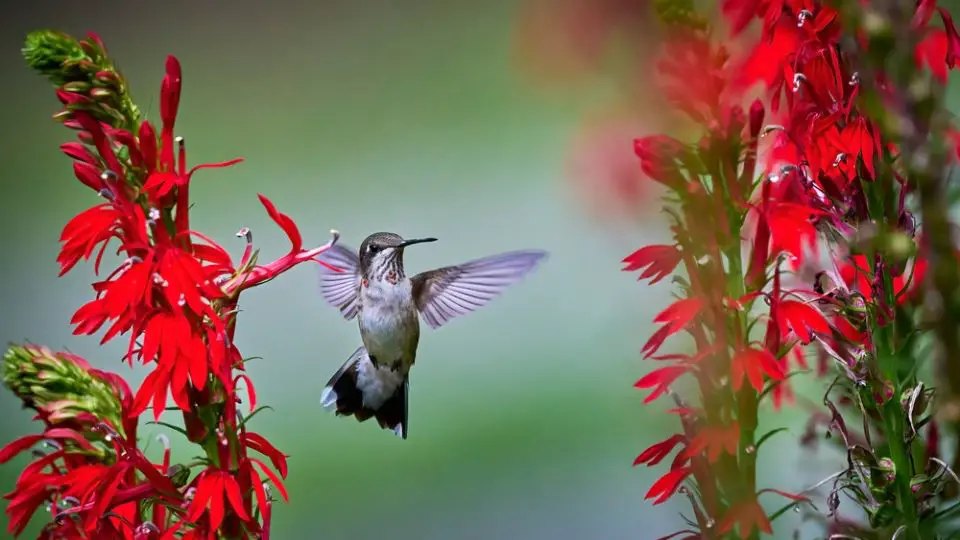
284	221
660	380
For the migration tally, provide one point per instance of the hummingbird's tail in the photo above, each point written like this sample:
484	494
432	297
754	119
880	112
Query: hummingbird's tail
386	400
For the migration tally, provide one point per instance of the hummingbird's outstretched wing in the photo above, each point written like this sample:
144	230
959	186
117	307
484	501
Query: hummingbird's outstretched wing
445	293
341	289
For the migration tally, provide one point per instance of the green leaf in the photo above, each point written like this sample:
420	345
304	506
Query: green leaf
171	426
254	413
766	436
774	384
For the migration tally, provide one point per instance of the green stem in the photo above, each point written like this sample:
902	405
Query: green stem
893	422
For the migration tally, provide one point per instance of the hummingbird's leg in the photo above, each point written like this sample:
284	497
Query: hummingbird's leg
373	360
396	365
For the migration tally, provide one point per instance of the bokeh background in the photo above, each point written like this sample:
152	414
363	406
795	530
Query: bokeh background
425	117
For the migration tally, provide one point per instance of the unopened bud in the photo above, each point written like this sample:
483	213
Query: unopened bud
76	87
756	118
100	93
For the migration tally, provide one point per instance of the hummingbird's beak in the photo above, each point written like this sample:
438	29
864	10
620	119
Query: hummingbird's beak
413	241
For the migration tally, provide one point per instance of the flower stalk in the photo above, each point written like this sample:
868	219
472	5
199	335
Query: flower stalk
175	294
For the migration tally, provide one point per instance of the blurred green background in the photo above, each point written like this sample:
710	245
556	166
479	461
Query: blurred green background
366	116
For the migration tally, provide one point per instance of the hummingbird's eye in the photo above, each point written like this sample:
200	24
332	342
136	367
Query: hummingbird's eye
373	248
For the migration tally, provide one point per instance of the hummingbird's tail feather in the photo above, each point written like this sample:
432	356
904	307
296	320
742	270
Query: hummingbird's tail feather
343	396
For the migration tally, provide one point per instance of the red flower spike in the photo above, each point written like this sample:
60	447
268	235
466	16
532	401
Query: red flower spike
656	261
754	364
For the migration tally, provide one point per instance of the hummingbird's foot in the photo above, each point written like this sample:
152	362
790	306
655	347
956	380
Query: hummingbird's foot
373	361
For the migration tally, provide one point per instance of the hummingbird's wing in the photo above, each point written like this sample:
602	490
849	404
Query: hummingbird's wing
445	293
341	289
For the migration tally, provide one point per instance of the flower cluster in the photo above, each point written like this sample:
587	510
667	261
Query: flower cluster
825	195
175	294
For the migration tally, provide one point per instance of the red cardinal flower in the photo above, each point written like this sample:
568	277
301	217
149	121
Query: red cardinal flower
656	261
754	363
657	451
660	380
667	485
746	516
803	319
676	317
715	440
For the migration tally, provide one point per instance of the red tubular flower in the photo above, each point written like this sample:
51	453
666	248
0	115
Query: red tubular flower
715	440
747	516
754	364
657	451
660	380
667	485
659	261
953	39
803	319
676	317
658	158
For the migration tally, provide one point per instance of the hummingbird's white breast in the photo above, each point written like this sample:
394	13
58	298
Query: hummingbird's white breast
389	322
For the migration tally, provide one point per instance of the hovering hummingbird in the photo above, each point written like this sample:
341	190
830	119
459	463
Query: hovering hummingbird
374	288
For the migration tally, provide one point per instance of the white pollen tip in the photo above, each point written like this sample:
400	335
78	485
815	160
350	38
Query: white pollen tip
398	430
328	399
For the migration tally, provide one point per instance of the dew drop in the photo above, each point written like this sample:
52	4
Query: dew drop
802	17
154	214
710	523
108	437
750	449
182	301
796	508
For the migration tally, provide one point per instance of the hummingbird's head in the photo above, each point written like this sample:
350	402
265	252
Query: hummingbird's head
382	252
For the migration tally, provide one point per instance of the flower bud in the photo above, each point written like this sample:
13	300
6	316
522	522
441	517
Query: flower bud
101	93
60	386
54	54
78	87
756	118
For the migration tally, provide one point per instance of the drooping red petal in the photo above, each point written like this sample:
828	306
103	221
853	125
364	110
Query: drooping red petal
660	380
284	221
667	485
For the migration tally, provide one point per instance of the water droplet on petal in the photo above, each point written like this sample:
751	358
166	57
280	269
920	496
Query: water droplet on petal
802	17
750	449
182	301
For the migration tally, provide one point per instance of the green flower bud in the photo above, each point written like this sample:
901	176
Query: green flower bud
60	385
179	475
51	53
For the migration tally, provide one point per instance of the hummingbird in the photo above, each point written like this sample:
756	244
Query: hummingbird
373	287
